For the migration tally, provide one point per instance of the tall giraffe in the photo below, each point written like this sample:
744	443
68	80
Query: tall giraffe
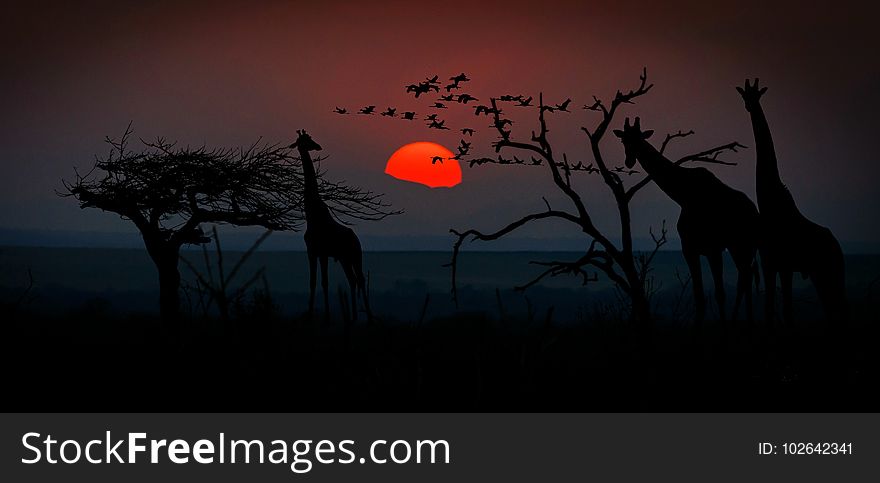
325	237
714	217
791	243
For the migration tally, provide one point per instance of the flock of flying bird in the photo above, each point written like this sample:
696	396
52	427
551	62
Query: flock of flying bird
432	121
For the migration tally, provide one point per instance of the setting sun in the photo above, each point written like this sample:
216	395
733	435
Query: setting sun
425	163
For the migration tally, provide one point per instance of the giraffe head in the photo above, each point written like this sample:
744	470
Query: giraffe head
751	94
631	137
304	142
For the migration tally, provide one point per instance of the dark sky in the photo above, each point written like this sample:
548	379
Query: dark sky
228	74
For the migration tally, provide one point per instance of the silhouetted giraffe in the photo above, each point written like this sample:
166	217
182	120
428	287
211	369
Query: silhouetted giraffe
714	217
325	237
790	242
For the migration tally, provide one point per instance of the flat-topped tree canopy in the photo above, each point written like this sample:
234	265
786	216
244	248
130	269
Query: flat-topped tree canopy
167	190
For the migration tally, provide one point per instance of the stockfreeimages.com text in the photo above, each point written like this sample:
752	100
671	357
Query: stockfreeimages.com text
300	455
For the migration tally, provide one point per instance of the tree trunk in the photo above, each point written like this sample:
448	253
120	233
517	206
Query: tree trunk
641	318
166	256
169	288
641	310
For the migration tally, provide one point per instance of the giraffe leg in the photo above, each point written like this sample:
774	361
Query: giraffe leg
313	278
362	284
324	285
743	286
352	285
740	293
716	265
753	271
769	291
785	280
693	261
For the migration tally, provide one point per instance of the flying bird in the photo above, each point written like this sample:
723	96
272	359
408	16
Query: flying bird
435	159
340	110
510	98
422	88
367	110
431	117
433	80
564	106
485	109
439	105
525	102
448	98
437	125
468	131
547	108
415	88
465	98
621	169
456	80
390	112
459	78
408	115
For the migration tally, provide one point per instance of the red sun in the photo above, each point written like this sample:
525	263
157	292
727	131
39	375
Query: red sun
417	162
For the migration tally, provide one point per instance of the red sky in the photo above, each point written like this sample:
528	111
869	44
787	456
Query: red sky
227	74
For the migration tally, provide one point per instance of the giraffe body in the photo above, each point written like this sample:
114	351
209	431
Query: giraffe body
714	218
790	242
327	238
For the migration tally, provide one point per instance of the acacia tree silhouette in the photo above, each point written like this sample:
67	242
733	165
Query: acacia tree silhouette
628	269
169	191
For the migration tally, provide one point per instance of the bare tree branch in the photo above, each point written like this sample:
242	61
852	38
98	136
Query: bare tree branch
218	289
477	235
670	137
609	255
627	269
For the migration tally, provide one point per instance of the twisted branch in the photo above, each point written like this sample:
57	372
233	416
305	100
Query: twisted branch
478	235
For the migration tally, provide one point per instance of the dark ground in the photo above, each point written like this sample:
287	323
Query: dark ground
82	340
90	362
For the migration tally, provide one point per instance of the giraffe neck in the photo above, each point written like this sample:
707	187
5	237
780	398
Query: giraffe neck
315	208
663	171
768	184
